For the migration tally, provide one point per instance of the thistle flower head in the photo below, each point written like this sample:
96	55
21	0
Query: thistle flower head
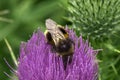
37	62
97	19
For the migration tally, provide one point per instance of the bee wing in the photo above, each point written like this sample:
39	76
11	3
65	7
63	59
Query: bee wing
50	24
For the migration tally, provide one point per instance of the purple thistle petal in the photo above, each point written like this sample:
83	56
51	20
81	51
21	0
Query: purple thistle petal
37	62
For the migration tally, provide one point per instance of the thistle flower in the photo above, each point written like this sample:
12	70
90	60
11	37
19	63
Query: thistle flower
37	62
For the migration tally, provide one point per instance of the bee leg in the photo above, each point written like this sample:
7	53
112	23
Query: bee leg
70	59
65	60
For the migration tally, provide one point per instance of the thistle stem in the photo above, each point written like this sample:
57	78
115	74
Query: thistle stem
11	52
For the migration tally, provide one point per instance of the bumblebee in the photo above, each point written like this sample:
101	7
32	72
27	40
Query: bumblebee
59	40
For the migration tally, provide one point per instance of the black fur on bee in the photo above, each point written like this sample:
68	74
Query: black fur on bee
64	46
64	49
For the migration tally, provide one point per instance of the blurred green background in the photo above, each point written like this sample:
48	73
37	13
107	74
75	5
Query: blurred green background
20	18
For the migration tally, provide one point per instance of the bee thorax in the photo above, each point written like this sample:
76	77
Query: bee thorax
64	47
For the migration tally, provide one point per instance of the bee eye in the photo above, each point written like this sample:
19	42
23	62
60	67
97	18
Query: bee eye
49	38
